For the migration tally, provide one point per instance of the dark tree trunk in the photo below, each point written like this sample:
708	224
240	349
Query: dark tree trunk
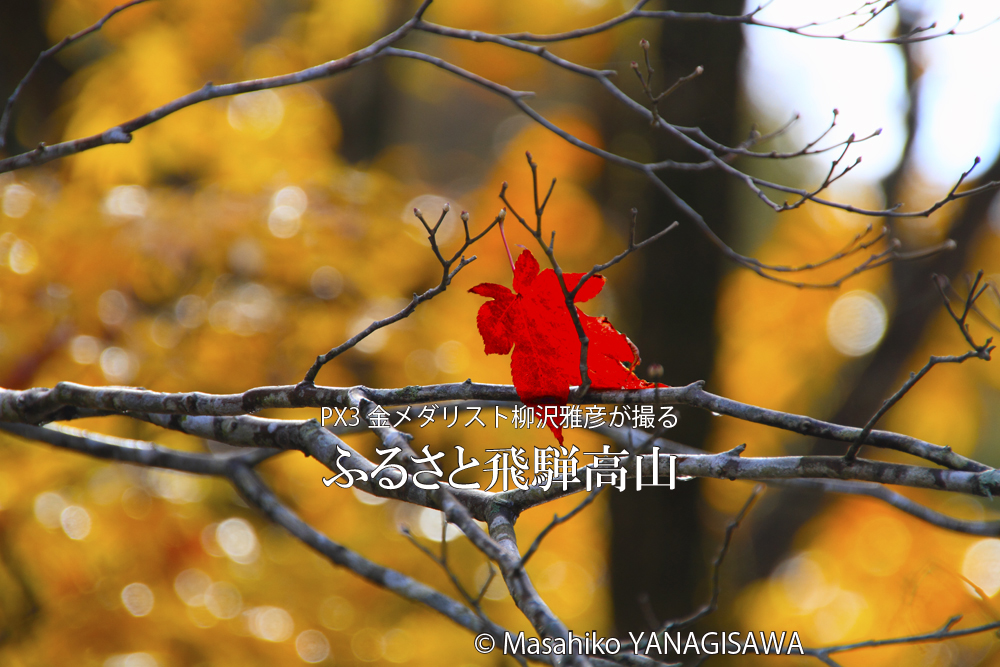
656	551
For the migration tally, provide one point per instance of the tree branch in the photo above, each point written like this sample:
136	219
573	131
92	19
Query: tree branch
39	405
45	55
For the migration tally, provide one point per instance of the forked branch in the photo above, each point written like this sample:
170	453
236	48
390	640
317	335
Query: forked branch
977	352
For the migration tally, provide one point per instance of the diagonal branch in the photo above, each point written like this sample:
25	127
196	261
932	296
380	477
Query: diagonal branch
253	489
944	633
495	545
556	521
238	469
458	260
122	134
45	55
713	602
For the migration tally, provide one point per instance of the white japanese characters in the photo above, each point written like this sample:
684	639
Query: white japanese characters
512	468
521	417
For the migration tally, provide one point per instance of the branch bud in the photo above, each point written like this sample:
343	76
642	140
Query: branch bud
655	371
446	207
465	216
502	214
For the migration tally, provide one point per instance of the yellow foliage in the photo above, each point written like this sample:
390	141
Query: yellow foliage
222	249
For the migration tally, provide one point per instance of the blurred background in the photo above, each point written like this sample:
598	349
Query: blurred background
229	244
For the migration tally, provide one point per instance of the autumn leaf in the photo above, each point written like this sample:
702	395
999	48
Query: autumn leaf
533	321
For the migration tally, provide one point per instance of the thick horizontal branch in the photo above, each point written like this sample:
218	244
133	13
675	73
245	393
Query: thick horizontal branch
732	466
308	436
825	473
138	452
34	406
641	442
237	468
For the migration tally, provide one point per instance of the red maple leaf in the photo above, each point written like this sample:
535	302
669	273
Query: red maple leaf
537	325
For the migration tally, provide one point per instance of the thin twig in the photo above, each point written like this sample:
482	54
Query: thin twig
977	352
557	520
713	603
458	260
442	562
570	293
944	633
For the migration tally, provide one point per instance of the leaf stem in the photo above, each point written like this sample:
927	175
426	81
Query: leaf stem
506	247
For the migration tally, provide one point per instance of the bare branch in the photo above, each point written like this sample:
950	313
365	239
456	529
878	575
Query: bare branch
978	352
496	545
557	520
45	55
900	502
872	490
122	133
733	466
918	34
136	451
442	562
457	71
713	602
943	634
38	405
258	495
447	275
